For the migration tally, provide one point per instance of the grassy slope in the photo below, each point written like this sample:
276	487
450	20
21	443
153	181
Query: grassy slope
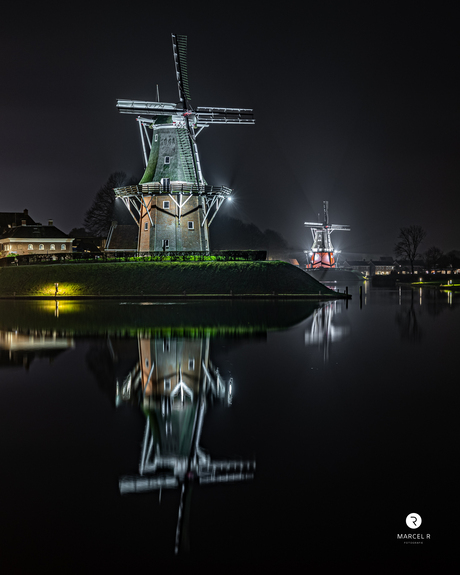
158	278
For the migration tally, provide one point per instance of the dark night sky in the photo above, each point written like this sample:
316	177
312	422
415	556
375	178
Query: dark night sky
356	103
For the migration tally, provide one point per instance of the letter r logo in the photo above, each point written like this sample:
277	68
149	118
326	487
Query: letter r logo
413	520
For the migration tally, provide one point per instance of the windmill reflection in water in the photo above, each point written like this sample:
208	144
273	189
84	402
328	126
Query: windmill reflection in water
173	383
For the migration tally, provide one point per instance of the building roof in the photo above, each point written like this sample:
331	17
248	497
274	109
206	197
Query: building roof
355	263
34	232
9	220
124	237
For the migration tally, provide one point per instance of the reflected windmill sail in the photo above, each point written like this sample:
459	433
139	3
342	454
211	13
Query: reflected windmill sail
173	383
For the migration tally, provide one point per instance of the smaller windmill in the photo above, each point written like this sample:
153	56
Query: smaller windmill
322	254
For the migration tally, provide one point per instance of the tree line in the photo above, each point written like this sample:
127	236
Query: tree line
407	248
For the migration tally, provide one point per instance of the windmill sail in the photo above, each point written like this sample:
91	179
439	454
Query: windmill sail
180	61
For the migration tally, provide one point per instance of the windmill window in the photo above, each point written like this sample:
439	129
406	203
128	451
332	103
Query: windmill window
146	226
167	384
165	243
63	246
52	247
30	247
191	225
156	137
166	159
41	247
166	205
191	364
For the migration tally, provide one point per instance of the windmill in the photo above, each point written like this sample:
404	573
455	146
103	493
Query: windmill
173	205
322	254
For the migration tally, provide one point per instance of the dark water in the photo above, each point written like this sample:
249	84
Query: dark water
349	413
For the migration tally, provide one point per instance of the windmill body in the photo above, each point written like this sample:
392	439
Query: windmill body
322	253
173	205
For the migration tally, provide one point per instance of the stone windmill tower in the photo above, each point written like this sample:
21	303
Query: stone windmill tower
173	205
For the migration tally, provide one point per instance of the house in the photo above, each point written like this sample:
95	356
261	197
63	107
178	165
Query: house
372	267
33	238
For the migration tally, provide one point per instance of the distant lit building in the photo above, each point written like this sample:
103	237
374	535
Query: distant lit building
31	239
368	268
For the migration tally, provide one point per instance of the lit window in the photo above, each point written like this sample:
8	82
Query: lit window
52	247
146	226
191	225
166	205
41	247
166	159
63	246
30	247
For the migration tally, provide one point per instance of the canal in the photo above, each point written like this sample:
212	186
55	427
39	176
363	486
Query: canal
245	433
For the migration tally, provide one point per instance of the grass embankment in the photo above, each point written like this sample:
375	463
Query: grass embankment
440	284
160	279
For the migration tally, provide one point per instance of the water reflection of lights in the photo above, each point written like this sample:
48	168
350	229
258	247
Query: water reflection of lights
34	341
322	331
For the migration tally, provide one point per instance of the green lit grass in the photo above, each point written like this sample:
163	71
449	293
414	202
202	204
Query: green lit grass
437	284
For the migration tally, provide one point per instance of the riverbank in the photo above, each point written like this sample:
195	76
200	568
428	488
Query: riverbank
161	279
418	280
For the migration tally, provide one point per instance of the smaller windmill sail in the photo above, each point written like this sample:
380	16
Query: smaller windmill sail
179	43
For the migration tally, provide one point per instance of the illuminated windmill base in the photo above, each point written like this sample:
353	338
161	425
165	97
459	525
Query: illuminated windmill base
321	260
173	205
322	253
173	216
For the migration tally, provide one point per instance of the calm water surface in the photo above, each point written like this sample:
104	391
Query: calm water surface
140	435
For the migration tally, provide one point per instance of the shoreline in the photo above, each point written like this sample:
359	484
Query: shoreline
335	295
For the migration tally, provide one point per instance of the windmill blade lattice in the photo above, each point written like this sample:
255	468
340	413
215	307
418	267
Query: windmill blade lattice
180	61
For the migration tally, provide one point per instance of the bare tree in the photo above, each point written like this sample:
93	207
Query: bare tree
99	216
432	257
409	241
